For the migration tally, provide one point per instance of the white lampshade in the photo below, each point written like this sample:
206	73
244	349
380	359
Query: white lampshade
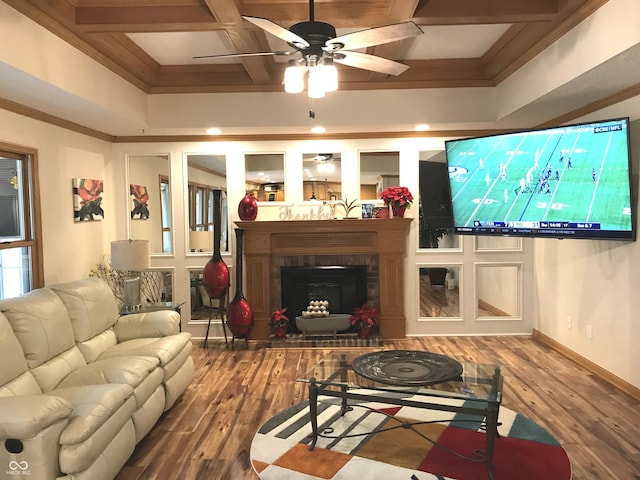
315	84
201	240
329	75
130	255
294	78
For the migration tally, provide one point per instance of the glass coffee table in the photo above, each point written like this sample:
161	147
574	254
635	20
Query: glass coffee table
412	379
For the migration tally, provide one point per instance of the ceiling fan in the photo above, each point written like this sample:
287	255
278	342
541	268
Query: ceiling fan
317	43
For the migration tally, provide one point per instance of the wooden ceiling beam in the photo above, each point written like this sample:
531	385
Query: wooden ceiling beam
467	12
243	40
141	18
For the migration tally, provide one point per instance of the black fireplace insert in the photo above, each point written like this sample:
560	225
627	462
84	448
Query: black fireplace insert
345	287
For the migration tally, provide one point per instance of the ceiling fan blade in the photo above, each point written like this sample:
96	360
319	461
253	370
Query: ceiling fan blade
278	31
256	54
369	62
374	36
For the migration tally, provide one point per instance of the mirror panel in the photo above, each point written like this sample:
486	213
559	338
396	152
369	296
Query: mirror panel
434	203
498	290
322	176
378	170
205	174
156	286
439	291
498	244
201	304
150	201
264	176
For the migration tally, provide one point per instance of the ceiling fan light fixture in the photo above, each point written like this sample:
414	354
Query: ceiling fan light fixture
326	166
293	78
329	75
315	84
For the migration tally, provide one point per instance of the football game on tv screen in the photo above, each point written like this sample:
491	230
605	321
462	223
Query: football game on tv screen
563	182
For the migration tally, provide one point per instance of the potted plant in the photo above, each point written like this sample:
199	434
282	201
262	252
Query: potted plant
279	323
366	320
399	198
345	204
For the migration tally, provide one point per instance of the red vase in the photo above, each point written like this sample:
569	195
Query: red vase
280	332
215	276
365	332
398	210
239	313
383	212
248	208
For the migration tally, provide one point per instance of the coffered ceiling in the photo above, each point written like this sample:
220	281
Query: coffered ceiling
466	44
151	43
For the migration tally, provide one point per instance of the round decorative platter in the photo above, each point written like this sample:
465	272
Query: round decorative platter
407	367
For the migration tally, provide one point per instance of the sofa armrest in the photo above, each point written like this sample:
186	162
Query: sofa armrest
24	416
161	323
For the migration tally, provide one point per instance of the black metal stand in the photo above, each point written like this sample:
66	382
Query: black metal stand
217	312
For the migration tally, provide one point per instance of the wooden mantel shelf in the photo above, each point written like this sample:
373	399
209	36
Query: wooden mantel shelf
385	238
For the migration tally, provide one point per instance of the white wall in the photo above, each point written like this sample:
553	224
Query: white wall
596	284
71	248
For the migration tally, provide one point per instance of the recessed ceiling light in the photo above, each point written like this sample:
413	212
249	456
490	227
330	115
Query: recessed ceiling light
318	129
423	127
213	131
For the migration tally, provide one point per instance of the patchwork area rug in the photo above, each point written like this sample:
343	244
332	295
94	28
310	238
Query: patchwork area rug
280	449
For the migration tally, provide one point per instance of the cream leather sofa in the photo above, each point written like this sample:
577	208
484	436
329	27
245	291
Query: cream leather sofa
81	386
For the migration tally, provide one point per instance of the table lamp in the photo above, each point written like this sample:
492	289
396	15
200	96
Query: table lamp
131	257
201	241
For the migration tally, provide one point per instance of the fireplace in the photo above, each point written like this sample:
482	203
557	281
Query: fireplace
380	244
345	287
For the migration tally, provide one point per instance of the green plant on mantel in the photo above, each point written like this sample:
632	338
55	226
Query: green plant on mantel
345	204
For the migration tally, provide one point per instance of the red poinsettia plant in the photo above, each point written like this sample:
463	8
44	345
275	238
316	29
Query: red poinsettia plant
279	319
397	196
365	316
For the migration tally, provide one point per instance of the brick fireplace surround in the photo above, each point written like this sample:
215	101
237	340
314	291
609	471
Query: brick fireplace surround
266	240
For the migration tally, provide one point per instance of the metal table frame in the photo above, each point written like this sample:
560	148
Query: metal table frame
337	386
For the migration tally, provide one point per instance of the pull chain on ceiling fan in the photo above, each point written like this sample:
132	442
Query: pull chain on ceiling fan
320	48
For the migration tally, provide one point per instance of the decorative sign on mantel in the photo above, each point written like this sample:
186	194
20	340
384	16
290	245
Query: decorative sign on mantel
315	212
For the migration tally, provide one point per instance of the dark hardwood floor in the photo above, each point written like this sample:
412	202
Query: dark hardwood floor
207	434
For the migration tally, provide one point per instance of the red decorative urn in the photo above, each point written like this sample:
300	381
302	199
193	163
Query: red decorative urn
216	273
239	313
248	207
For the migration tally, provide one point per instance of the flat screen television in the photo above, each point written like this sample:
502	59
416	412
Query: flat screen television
571	181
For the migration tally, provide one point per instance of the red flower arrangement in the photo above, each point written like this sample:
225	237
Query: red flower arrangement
279	319
279	324
365	317
397	196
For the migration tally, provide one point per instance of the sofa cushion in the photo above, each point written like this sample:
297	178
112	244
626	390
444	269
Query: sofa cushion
15	379
94	347
161	323
98	418
165	349
91	305
126	370
92	406
52	372
25	416
40	323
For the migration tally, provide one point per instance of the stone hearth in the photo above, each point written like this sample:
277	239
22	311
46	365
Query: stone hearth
265	243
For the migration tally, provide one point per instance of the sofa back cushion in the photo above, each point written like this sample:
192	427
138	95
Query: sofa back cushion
15	378
42	326
93	311
91	305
